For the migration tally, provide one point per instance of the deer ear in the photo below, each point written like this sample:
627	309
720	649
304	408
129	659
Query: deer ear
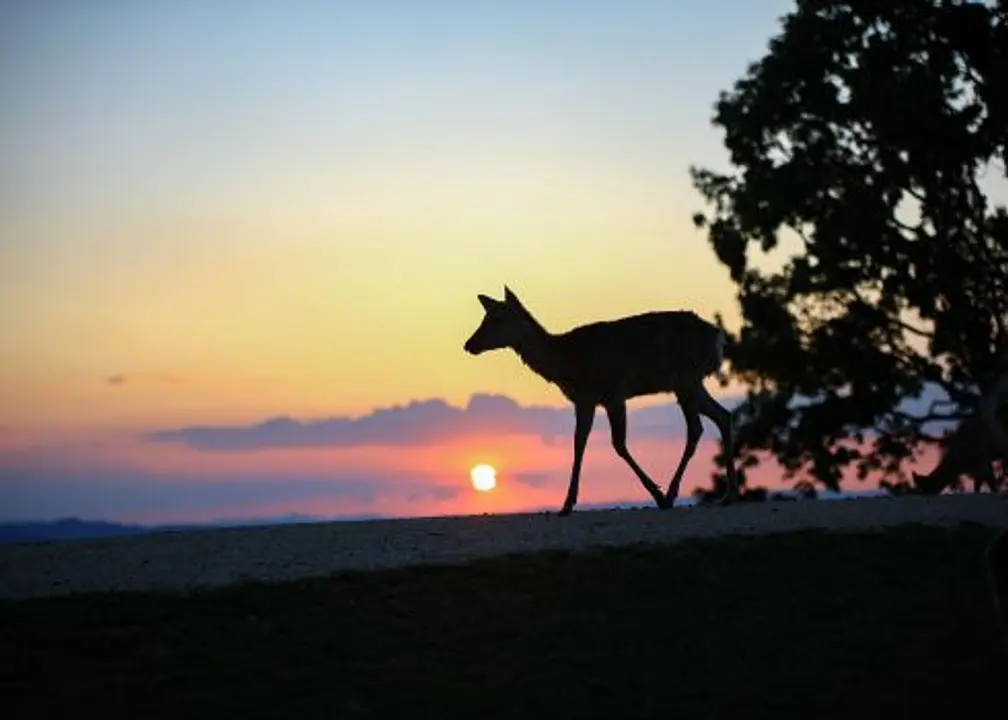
510	298
487	302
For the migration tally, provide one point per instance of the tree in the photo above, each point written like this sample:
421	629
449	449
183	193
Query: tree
859	146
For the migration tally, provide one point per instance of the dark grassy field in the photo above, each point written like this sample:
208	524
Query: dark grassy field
793	626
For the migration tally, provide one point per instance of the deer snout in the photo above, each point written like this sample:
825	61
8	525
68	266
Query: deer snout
475	345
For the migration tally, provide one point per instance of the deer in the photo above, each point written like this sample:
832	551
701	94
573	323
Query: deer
608	362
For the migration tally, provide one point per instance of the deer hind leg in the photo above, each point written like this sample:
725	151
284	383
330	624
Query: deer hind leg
584	417
721	417
694	430
616	411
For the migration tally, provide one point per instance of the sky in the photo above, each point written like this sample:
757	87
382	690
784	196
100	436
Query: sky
241	242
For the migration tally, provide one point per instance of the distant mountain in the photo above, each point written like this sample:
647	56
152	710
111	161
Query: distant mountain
77	529
64	529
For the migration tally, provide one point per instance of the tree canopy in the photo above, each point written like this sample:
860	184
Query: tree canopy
871	263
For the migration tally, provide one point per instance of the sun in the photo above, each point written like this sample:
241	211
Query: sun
483	477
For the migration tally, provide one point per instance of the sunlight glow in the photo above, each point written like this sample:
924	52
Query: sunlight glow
483	477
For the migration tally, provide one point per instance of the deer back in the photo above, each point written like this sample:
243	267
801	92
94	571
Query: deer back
639	355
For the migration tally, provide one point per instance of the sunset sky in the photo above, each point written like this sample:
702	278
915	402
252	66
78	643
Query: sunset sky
218	215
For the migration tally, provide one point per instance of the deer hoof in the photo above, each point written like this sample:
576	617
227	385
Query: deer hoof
565	511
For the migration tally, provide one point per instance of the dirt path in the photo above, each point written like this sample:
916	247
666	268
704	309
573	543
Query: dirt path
183	560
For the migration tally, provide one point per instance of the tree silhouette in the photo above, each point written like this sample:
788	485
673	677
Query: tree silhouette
869	260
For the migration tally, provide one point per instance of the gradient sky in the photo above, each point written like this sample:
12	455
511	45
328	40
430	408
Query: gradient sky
218	213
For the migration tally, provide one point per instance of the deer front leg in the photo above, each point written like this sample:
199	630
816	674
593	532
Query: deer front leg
616	411
584	416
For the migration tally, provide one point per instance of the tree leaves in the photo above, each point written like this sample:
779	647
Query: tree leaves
863	132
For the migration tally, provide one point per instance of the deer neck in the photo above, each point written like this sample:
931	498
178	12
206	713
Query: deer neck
539	353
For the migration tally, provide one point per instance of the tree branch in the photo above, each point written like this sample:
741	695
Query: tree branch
927	335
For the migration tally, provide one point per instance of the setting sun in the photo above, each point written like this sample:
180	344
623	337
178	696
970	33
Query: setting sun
483	477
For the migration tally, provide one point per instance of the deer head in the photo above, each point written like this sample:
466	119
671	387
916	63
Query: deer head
506	323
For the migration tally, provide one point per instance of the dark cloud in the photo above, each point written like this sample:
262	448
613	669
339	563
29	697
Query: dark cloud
416	423
421	422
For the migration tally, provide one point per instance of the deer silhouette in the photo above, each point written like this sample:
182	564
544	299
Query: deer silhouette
606	363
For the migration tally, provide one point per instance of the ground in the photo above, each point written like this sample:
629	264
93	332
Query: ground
803	623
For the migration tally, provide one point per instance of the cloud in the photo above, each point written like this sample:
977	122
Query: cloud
435	421
421	422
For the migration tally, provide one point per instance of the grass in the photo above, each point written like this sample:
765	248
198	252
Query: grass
791	626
